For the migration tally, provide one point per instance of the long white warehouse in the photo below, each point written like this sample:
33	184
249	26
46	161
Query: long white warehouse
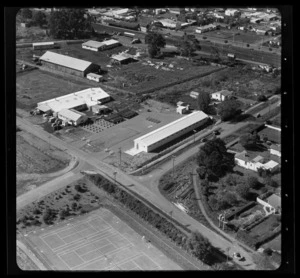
169	132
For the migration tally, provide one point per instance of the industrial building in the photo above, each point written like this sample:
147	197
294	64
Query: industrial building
72	116
98	46
169	132
43	45
79	101
68	64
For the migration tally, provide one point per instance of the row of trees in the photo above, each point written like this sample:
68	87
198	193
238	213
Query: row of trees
37	18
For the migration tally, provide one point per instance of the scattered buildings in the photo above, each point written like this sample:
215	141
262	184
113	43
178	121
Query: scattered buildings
221	95
205	28
169	132
232	12
68	64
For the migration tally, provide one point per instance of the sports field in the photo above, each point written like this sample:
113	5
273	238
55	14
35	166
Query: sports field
99	241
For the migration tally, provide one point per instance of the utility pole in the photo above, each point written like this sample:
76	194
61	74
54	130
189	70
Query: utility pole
115	174
120	152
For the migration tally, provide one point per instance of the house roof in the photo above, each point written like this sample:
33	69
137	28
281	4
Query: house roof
65	61
171	128
121	57
274	200
258	158
270	164
70	114
110	42
94	44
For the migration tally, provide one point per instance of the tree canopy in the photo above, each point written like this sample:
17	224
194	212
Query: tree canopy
199	246
228	109
243	190
203	101
188	45
39	18
155	42
214	159
69	24
26	13
249	140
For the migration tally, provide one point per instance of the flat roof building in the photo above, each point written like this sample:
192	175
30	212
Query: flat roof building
79	100
68	64
169	132
72	116
98	46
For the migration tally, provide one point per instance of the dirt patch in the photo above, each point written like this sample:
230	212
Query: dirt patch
35	160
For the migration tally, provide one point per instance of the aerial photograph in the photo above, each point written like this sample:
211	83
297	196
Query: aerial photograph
148	139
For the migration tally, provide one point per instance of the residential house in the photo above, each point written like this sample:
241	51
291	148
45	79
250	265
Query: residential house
221	95
243	159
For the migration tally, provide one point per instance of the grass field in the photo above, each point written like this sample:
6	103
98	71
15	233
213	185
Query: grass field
98	241
35	86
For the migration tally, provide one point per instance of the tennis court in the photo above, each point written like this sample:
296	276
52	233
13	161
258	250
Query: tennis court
97	241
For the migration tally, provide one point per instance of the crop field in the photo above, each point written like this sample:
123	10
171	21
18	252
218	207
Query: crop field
138	77
35	86
35	160
98	240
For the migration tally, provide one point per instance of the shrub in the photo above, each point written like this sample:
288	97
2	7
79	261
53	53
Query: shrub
168	185
226	41
204	37
248	44
262	98
80	188
77	197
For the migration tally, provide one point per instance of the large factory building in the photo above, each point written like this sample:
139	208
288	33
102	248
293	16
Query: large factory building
68	64
169	132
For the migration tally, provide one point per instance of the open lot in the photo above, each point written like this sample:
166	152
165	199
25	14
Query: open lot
98	241
35	160
272	134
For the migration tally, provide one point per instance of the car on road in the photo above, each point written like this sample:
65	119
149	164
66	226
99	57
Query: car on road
238	256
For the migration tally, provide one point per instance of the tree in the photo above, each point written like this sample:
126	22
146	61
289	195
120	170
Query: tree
228	109
155	42
68	24
199	246
230	198
253	182
249	140
203	101
188	45
243	190
270	182
26	13
39	18
262	98
214	157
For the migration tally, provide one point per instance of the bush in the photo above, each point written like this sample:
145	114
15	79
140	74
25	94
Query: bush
248	44
204	37
168	185
77	197
226	41
262	98
270	49
81	189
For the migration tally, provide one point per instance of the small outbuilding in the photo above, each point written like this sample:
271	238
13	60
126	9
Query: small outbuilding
94	77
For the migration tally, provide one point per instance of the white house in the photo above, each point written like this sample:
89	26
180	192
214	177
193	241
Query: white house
275	150
243	159
221	95
272	204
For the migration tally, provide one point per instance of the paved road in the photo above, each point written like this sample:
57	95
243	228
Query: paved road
146	187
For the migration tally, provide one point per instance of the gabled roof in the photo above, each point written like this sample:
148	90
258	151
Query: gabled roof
70	114
65	61
270	164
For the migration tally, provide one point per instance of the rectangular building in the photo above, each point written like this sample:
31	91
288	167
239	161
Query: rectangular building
94	77
72	116
68	64
43	45
169	132
79	100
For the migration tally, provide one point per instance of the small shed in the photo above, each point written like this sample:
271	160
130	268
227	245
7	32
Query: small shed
94	77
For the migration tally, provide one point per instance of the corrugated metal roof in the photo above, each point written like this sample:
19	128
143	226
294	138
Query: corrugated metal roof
110	42
65	61
171	128
121	57
94	44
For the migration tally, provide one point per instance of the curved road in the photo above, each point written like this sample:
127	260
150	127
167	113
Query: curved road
145	186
